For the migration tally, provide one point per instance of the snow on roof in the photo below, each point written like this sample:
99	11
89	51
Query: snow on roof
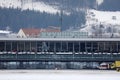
4	32
31	31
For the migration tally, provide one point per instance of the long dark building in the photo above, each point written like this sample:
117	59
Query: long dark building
60	51
59	45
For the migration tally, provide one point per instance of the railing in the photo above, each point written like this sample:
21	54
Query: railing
59	57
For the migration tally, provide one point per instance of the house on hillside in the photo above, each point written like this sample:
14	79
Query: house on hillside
29	33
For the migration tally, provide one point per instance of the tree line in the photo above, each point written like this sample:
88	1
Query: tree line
16	19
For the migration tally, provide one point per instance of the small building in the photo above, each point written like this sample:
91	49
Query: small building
35	32
4	33
29	33
52	29
66	34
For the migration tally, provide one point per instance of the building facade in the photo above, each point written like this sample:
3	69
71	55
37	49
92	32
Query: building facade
67	34
57	53
60	45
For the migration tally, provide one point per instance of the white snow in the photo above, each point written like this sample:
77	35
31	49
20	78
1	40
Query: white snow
4	32
99	2
109	20
40	6
10	3
108	17
28	4
59	75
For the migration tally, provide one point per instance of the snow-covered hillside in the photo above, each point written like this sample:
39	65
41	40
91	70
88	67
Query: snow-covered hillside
104	16
29	4
102	22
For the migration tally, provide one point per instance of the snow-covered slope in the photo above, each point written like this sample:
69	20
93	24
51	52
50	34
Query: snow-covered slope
29	4
102	22
105	16
99	2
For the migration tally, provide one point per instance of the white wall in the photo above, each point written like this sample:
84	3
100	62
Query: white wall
21	34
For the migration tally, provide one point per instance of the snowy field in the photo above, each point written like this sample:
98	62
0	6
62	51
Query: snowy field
58	75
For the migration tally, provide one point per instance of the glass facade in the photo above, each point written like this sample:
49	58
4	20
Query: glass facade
45	52
60	46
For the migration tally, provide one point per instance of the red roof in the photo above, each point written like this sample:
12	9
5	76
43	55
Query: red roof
31	31
35	32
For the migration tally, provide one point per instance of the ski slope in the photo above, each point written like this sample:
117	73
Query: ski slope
29	4
109	20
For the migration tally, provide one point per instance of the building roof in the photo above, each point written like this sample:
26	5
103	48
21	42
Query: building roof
4	32
52	29
31	31
60	39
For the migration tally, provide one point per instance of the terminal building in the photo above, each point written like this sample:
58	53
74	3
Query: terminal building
55	45
59	50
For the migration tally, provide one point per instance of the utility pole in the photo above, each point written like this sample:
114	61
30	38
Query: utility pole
22	3
32	4
61	19
61	16
96	5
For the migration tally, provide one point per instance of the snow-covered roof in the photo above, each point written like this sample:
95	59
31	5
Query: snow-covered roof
4	32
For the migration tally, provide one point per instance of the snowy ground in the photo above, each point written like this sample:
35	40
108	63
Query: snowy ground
58	75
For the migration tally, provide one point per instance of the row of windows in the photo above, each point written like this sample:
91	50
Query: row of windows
64	34
61	46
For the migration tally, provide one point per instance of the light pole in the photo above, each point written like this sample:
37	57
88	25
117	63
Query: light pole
61	19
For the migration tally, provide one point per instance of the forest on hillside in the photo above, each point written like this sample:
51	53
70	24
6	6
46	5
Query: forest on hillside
16	19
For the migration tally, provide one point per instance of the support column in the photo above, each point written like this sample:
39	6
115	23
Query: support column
36	47
48	47
17	47
55	47
0	65
21	65
91	47
24	46
117	47
67	46
11	47
73	48
5	46
98	46
61	47
79	47
104	47
17	50
110	47
86	47
30	47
